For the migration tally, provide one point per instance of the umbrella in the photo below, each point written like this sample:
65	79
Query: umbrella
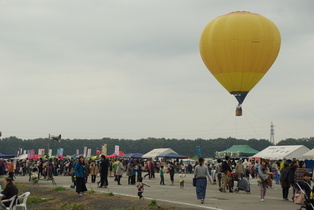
171	155
132	155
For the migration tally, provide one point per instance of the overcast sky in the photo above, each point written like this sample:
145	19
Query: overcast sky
132	69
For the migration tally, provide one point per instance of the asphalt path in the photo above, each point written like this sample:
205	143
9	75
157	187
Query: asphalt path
186	197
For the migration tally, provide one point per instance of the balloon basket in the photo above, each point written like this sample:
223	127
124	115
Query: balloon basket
238	111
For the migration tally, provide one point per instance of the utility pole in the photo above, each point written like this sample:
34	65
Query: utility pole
272	134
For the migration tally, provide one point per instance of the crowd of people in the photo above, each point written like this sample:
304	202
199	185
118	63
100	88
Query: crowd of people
223	172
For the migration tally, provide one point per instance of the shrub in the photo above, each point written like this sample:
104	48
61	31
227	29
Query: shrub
109	194
59	189
36	200
153	203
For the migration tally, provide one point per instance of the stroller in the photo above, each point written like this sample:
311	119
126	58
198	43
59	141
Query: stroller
301	198
243	184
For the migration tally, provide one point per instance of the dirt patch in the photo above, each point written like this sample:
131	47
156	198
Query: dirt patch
68	199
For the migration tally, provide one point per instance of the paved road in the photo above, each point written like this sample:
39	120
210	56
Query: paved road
187	197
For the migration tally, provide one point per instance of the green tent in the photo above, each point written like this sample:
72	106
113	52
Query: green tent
237	151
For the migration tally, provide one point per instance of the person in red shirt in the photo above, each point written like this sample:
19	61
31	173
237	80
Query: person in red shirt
11	169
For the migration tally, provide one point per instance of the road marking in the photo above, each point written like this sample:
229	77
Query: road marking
167	201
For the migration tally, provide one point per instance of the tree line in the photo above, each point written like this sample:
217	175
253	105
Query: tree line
185	147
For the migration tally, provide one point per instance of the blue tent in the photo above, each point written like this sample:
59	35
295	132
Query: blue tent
5	156
132	155
171	155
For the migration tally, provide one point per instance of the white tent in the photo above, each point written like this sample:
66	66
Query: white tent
155	152
282	152
22	157
309	155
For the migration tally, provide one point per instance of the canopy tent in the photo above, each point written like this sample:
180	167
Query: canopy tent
159	151
115	155
283	152
132	155
308	155
237	151
171	156
5	156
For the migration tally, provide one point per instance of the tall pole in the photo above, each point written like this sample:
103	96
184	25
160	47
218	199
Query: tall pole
272	134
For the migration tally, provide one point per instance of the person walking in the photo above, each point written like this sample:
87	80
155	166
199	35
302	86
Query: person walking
128	171
291	176
263	175
103	170
225	168
162	178
181	179
119	172
201	174
93	170
139	171
79	170
2	168
218	169
284	182
11	170
140	187
171	173
239	169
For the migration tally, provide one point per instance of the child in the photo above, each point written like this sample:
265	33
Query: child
162	178
140	187
181	179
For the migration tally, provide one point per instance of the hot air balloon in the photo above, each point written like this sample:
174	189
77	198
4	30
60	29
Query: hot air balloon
238	49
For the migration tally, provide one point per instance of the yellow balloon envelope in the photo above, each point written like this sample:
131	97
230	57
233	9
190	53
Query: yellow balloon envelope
238	49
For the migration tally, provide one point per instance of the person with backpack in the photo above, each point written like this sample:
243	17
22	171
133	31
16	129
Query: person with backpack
225	168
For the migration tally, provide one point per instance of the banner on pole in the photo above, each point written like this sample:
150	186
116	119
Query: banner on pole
198	151
85	152
116	150
60	151
104	149
41	152
31	154
50	152
89	153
